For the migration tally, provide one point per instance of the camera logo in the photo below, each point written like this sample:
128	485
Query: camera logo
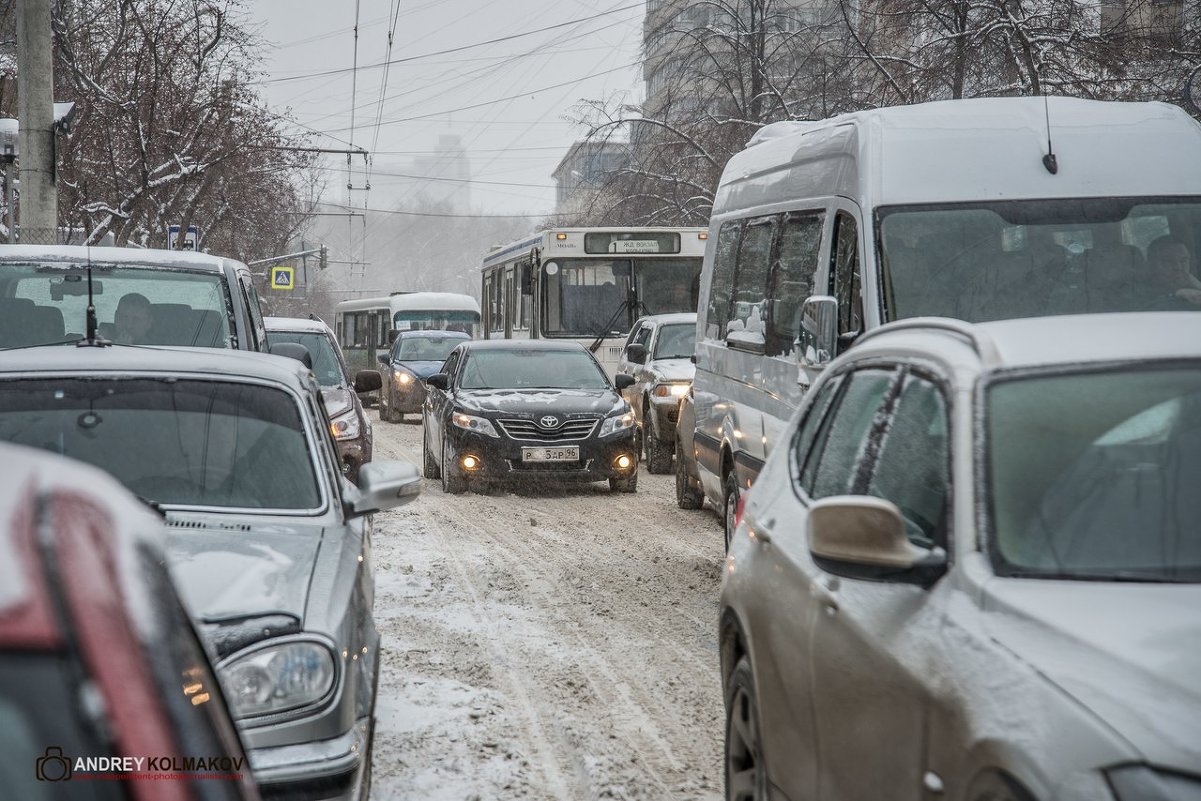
53	766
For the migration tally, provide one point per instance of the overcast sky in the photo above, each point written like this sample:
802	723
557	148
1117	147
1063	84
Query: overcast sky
507	101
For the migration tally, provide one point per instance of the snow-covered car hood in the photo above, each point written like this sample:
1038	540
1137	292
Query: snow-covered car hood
225	571
672	369
530	402
337	400
1127	652
422	370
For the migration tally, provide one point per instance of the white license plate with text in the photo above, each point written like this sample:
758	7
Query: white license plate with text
566	453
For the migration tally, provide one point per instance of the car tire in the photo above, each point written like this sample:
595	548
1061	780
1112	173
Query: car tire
731	495
627	484
658	453
745	773
452	482
429	467
687	496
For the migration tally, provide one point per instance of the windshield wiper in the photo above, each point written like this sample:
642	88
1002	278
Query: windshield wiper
154	505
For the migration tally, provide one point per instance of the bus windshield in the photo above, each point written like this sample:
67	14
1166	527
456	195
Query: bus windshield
602	297
1026	258
436	320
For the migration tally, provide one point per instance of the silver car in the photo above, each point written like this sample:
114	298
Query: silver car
972	570
658	354
270	545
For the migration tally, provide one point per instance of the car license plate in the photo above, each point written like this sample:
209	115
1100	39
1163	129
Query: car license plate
569	453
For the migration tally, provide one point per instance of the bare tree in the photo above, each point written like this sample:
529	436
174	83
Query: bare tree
168	129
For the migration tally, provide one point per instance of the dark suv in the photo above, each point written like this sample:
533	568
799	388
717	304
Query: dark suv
348	421
527	409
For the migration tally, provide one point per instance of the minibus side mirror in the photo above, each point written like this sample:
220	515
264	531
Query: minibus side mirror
819	331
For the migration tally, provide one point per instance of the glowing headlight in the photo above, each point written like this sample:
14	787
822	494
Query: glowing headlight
476	424
619	423
345	425
278	678
676	390
403	378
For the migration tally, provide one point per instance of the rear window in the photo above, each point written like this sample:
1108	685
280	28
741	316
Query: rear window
177	442
43	303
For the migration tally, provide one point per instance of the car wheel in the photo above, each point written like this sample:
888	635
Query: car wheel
627	484
995	786
658	453
730	507
453	482
429	467
687	496
746	776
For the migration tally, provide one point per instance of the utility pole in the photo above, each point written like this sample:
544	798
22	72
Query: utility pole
35	110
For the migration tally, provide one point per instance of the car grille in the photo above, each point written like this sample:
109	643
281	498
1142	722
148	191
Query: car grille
531	431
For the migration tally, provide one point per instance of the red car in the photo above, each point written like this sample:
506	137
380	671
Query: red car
105	690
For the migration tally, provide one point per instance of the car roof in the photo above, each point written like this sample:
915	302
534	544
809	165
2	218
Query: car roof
1045	341
523	344
217	362
183	259
664	319
302	324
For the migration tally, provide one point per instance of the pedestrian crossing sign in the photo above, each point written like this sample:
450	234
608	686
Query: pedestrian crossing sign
283	277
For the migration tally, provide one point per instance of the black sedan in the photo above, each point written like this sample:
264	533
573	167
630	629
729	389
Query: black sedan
531	410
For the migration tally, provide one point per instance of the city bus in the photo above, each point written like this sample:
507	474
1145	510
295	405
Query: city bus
590	284
367	326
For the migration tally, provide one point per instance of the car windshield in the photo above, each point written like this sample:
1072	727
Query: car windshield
1028	258
1094	475
530	368
676	341
425	349
326	365
178	442
42	303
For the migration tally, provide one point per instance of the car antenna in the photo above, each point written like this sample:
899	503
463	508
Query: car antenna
1049	160
92	339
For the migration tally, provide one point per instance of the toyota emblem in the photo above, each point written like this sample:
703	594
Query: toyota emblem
550	421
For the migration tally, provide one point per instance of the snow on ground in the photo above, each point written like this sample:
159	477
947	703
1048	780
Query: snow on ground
545	643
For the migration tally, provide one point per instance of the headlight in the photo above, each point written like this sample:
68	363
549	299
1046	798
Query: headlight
674	390
1147	784
477	424
618	423
278	678
345	426
403	377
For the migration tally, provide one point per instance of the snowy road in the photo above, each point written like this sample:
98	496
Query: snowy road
546	645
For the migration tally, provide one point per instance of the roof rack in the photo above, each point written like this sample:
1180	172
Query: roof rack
980	342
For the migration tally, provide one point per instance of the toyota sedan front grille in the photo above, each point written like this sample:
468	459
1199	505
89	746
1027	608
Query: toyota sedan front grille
531	431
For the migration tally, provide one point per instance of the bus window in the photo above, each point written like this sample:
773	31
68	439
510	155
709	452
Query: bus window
667	285
750	281
792	278
722	284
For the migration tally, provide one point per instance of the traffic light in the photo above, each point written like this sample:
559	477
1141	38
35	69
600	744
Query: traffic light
323	258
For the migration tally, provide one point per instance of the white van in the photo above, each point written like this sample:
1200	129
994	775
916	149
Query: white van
974	209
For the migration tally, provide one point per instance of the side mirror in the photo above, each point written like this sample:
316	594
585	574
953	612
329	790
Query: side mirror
819	330
367	380
385	485
293	350
383	359
863	537
438	381
636	353
622	381
526	273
